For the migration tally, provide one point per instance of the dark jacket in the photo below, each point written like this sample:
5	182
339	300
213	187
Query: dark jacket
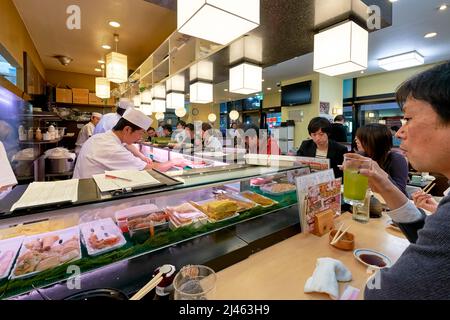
397	169
423	270
338	132
335	153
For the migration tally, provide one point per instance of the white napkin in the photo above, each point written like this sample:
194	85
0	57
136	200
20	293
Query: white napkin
326	276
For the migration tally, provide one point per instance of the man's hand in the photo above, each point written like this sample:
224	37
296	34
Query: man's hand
424	201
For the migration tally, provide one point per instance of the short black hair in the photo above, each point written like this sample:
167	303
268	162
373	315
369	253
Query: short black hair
339	118
121	111
181	123
167	127
319	123
395	128
432	86
122	123
190	126
206	126
151	128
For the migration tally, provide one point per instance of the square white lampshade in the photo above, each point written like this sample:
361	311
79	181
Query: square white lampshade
205	19
147	109
341	49
176	83
159	105
159	91
248	48
117	67
146	96
401	61
175	100
137	101
102	88
246	79
203	70
201	92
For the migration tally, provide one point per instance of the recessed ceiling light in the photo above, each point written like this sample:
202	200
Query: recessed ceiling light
393	0
279	90
98	69
269	89
362	72
443	7
107	47
431	35
114	24
101	61
225	89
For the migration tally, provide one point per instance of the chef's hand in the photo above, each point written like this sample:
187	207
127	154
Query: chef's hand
424	201
378	178
146	160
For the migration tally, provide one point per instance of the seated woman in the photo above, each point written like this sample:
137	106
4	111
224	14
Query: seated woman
375	141
321	147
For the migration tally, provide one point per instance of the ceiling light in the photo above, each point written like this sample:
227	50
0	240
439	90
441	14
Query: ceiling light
203	70
212	117
349	44
175	100
114	24
137	101
64	60
116	65
146	96
401	61
98	69
102	88
159	91
107	47
226	90
269	89
393	0
279	90
101	61
201	92
205	19
176	83
362	72
159	105
443	7
234	115
431	35
245	79
159	116
180	112
146	109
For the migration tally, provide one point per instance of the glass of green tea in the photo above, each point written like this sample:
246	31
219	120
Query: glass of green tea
355	184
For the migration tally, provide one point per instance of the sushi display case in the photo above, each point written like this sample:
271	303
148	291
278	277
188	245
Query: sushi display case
215	217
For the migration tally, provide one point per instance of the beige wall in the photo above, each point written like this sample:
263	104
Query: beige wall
309	111
72	80
204	111
272	100
386	82
331	89
14	36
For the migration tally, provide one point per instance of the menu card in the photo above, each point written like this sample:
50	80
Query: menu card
123	179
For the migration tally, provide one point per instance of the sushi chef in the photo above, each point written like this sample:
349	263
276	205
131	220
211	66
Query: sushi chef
107	151
87	131
109	120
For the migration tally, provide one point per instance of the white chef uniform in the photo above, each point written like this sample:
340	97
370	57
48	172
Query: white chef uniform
213	144
86	132
109	120
105	151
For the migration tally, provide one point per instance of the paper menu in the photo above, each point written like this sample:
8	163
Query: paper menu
7	177
138	179
44	193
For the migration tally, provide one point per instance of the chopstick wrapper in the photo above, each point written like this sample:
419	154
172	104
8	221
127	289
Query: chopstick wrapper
326	276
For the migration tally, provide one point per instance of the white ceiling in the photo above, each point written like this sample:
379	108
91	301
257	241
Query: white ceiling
144	27
412	19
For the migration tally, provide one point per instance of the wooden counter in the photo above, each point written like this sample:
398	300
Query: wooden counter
280	271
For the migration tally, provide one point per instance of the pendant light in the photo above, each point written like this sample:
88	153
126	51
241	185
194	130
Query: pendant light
102	86
175	92
116	65
201	88
180	112
205	19
234	115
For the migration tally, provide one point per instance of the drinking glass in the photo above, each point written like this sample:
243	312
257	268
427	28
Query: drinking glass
195	282
355	184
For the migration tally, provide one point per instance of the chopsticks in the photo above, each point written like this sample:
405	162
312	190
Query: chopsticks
148	287
428	187
338	236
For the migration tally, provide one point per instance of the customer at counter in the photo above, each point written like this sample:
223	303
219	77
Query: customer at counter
210	142
338	131
422	272
106	151
151	133
87	131
322	147
375	141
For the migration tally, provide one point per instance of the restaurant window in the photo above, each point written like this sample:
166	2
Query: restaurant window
8	71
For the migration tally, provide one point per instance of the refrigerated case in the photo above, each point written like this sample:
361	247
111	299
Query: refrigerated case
256	220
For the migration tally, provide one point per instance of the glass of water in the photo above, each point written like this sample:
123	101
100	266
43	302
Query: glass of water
195	282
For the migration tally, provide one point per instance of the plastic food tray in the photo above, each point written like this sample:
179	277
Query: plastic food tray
64	235
195	223
12	245
249	192
266	189
122	215
103	229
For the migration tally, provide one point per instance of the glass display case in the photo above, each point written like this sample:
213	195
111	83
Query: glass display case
109	232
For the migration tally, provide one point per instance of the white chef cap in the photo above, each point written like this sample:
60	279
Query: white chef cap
138	118
125	103
96	114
